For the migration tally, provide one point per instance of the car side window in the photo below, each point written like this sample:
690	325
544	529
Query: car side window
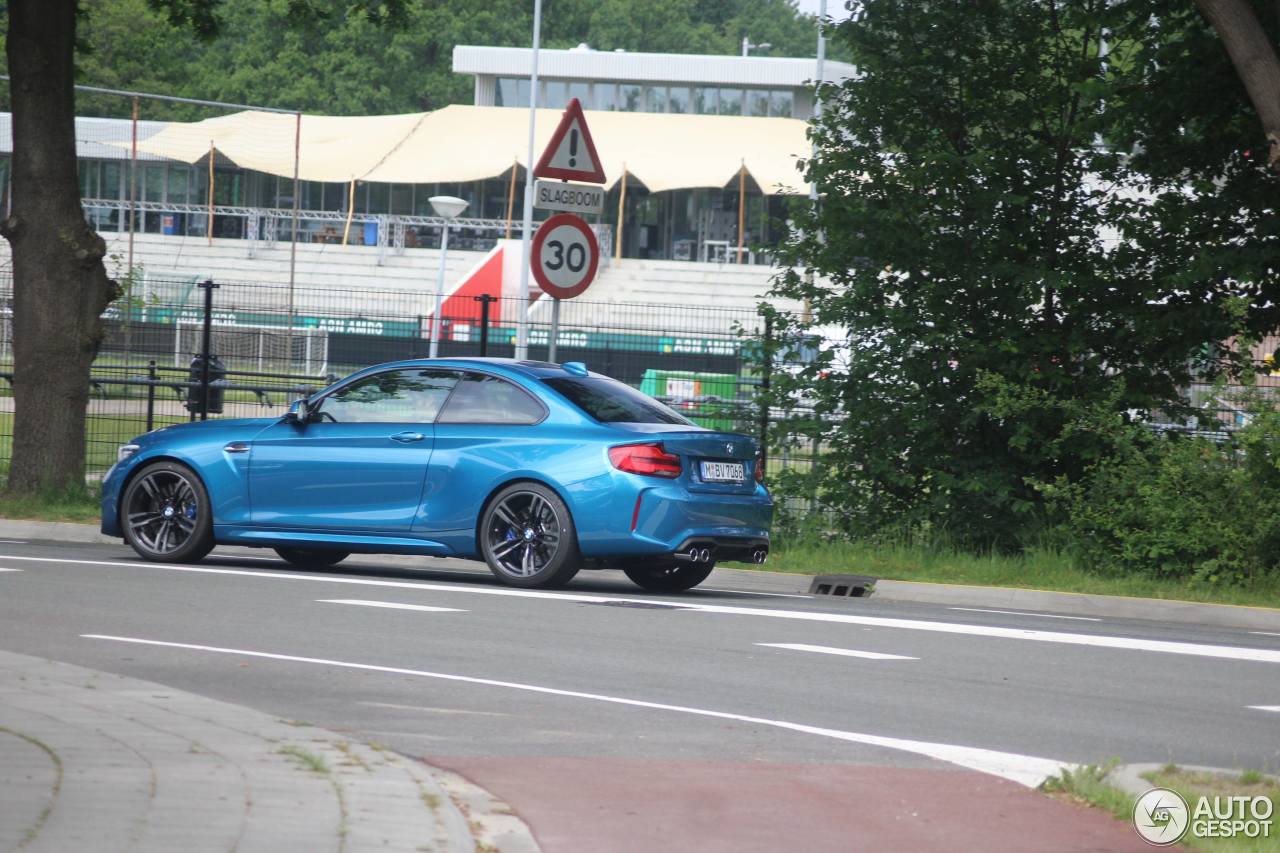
483	399
395	396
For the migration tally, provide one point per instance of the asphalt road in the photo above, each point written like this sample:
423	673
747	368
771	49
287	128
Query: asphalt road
738	717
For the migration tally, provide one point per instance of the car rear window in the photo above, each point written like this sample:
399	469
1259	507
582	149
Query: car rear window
610	401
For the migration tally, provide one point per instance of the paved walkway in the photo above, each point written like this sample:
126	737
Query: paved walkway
95	761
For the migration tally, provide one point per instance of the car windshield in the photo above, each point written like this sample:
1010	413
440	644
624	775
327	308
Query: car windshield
610	401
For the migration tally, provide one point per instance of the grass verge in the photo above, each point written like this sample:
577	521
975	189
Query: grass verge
75	506
1036	569
1088	785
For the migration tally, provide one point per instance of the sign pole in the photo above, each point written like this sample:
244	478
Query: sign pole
555	330
522	302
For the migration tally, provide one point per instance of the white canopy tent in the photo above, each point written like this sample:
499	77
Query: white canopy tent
456	144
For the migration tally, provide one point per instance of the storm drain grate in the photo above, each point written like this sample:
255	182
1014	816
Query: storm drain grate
843	586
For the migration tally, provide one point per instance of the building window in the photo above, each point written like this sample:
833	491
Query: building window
730	102
606	96
655	99
581	91
511	92
379	197
678	99
402	198
704	100
178	180
780	103
757	103
629	97
557	95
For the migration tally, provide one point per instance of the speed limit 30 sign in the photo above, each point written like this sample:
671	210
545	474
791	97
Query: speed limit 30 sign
565	255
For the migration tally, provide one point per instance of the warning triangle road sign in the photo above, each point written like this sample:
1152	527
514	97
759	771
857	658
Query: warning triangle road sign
571	155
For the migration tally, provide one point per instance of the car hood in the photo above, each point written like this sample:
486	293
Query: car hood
193	428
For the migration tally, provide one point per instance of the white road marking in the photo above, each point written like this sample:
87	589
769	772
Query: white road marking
391	605
828	650
13	542
1020	613
753	592
1024	769
1273	708
994	631
1266	633
10	570
460	711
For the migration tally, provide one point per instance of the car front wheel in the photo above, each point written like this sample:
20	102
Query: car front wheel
527	537
166	514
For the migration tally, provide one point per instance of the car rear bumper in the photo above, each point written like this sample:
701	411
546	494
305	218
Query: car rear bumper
667	519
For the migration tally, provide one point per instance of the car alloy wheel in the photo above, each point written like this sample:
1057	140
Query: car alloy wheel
165	514
528	538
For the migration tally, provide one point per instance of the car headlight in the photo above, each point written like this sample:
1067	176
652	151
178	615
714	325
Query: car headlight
124	451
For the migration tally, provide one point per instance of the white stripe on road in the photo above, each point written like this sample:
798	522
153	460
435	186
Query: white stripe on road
828	650
10	570
1020	613
1273	708
1024	769
390	605
13	542
994	631
752	592
1266	633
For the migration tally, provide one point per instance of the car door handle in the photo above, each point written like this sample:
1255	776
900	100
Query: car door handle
407	437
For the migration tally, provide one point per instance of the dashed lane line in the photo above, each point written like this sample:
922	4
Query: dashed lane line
1273	708
1021	613
828	650
1026	770
391	605
1105	641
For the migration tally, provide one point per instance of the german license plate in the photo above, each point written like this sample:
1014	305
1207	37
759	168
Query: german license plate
722	472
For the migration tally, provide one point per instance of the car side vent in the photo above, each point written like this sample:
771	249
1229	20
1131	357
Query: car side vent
843	586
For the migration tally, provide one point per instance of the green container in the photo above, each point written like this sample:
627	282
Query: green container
688	384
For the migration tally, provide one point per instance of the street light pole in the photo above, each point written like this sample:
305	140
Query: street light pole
448	208
522	304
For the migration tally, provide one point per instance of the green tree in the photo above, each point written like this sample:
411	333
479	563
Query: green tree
978	231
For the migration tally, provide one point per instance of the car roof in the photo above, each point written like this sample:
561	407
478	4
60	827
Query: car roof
526	367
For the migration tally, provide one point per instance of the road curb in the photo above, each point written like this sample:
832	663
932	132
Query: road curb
56	531
1082	604
90	758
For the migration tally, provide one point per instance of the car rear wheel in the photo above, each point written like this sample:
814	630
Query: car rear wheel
165	514
668	575
528	539
312	557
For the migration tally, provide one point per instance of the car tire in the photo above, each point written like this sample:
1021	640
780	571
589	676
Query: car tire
668	575
527	537
312	558
166	515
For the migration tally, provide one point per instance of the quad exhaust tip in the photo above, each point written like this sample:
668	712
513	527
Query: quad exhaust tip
759	555
697	555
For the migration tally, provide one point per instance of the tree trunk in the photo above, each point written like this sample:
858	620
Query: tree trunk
60	285
1255	62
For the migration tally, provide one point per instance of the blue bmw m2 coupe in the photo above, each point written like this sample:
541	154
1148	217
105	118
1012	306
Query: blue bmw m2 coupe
538	469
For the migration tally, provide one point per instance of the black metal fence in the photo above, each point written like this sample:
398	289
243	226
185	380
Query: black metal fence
273	344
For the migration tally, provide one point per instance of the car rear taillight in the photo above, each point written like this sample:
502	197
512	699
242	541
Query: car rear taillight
648	459
759	470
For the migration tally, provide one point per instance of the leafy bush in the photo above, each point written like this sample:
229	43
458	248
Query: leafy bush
1177	506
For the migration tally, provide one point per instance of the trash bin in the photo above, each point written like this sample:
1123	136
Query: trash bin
687	385
217	383
371	233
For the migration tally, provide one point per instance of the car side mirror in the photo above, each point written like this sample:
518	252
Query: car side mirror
299	413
